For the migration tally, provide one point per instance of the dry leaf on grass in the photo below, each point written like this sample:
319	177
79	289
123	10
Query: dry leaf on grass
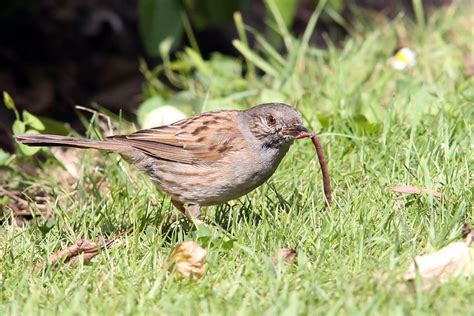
187	259
24	210
83	249
285	255
410	189
468	64
70	158
468	234
454	260
70	172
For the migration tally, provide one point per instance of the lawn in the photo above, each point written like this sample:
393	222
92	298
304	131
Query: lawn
380	127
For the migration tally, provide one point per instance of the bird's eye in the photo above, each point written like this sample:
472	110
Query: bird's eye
271	120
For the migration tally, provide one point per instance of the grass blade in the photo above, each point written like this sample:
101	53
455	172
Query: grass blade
267	48
254	58
309	30
285	34
419	12
243	37
189	32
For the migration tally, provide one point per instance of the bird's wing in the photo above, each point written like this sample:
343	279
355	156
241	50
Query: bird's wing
201	139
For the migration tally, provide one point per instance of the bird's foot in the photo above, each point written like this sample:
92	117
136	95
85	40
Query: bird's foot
192	212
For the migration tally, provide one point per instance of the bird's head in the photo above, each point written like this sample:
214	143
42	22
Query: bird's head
276	124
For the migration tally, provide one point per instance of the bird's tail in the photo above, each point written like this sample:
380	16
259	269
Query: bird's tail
66	141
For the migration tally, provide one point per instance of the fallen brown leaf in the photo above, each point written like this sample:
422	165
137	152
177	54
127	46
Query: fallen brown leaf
68	171
24	208
410	189
83	249
468	64
70	158
454	260
468	234
285	255
187	259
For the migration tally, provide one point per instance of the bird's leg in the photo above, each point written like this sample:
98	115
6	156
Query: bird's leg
192	212
179	206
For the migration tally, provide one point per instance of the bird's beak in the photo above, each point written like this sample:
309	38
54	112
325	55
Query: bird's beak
298	131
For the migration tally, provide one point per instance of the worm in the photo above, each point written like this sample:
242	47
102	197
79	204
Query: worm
324	168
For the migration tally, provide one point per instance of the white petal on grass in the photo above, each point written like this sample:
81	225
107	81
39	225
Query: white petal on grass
403	58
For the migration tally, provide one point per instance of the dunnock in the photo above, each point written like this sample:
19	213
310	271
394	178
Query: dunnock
206	159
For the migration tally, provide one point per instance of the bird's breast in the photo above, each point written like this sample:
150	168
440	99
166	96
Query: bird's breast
243	172
234	175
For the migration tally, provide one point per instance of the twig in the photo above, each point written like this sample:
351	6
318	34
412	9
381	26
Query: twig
84	248
106	117
13	194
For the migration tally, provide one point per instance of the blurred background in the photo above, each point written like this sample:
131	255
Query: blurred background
109	54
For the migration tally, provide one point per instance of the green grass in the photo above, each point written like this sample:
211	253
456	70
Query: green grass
379	127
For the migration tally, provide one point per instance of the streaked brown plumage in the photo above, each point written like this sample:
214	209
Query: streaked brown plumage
206	159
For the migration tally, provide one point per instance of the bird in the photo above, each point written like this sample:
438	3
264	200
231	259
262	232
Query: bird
207	159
